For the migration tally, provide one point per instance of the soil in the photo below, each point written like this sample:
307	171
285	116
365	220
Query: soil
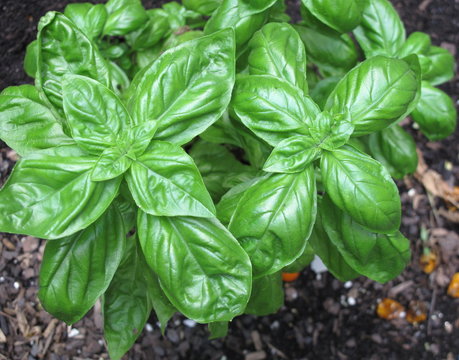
322	318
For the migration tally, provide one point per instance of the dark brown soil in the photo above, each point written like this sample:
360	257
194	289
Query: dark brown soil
322	318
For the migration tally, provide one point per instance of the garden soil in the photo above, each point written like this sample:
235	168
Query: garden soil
322	318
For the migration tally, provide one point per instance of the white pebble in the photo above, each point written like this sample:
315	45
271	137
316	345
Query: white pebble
318	266
149	327
411	192
351	301
348	284
73	332
16	285
189	323
2	279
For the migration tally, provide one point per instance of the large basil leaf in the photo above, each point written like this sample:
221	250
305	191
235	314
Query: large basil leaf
333	53
304	260
292	155
395	149
381	257
244	16
442	66
272	108
28	125
165	182
129	300
78	269
88	17
201	267
274	218
377	92
124	16
188	88
381	31
51	196
267	295
96	116
341	15
277	50
362	187
435	113
327	251
64	49
204	7
151	32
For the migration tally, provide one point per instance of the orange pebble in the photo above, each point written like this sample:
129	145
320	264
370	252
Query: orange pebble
390	309
417	312
289	277
428	262
453	288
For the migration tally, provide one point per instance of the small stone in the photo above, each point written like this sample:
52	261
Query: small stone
348	284
148	327
16	285
189	323
73	332
351	301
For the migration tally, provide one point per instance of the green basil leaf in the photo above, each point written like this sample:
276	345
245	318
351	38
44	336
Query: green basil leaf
145	57
204	7
395	149
331	132
274	219
120	81
362	187
278	12
64	49
327	251
377	92
127	207
245	17
112	162
417	43
304	260
88	17
442	66
381	257
381	31
28	125
341	15
175	40
124	16
277	50
435	113
155	29
31	59
77	270
202	269
218	329
267	295
272	108
323	89
199	75
216	164
165	182
96	116
292	155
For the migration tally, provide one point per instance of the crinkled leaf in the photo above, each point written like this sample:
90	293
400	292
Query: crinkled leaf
153	30
277	50
274	218
377	92
272	108
331	132
124	16
165	182
202	269
77	270
204	7
88	17
362	187
267	295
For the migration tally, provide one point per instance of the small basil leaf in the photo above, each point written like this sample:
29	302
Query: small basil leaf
341	15
377	92
333	53
272	108
323	89
381	257
77	270
164	181
267	295
31	59
218	329
120	81
28	125
64	49
304	260
381	31
292	155
139	137
199	75
395	149
274	218
435	113
442	66
124	16
51	196
155	29
204	7
112	162
362	187
89	18
331	132
417	43
277	50
96	116
327	251
202	269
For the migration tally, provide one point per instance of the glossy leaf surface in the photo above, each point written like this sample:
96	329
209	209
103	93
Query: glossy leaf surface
89	18
442	66
124	16
267	295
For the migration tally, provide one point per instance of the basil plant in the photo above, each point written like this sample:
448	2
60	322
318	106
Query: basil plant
177	162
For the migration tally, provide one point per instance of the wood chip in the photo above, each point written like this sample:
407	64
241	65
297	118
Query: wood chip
2	337
258	355
400	288
255	335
